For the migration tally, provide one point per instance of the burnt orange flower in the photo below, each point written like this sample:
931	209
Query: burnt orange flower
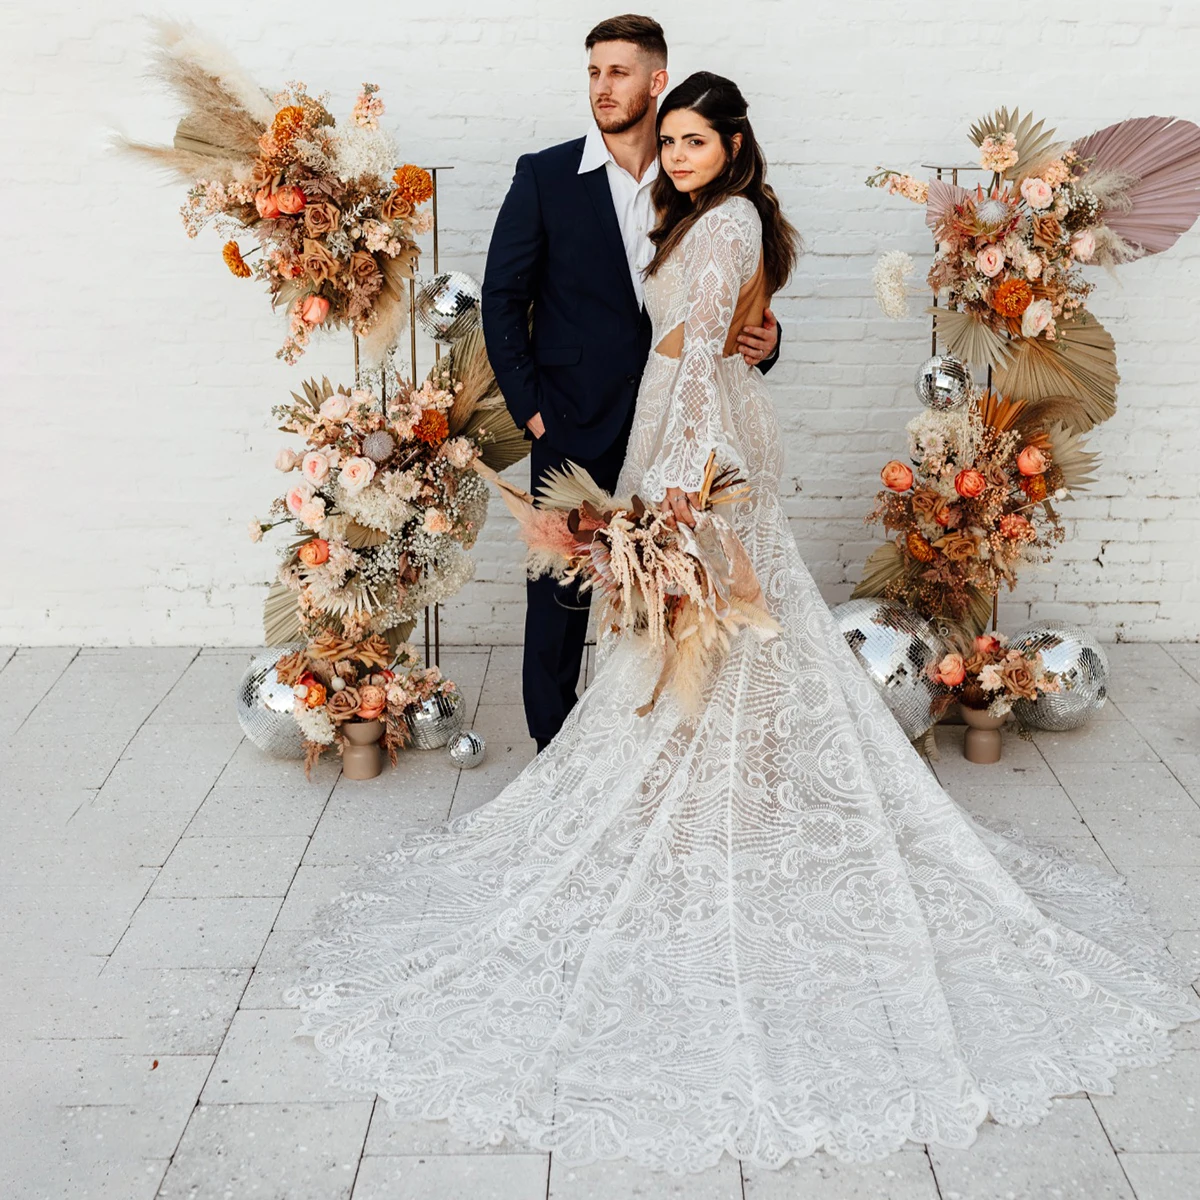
1034	486
432	428
919	547
232	255
1012	297
1017	528
316	695
288	122
415	184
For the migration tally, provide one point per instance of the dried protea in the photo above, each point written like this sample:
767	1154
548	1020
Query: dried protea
379	446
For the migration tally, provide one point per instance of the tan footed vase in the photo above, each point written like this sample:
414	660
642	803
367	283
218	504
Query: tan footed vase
982	742
361	756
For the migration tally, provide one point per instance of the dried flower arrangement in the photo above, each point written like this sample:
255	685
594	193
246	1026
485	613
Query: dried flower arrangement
333	214
336	680
1006	271
687	591
992	677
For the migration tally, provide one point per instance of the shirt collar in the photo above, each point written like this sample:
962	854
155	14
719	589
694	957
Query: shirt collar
596	153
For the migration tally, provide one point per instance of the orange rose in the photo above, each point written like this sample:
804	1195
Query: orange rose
969	483
1031	461
316	695
313	553
896	476
266	203
290	199
314	310
985	643
919	547
944	514
372	701
951	671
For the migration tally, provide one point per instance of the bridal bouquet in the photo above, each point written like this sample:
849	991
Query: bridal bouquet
686	591
336	681
332	212
993	677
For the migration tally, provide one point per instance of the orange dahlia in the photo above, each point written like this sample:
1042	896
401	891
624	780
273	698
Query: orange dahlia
1012	297
234	260
415	184
288	122
919	547
1034	486
432	428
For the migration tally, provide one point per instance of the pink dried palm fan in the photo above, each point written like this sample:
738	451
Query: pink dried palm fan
1162	154
943	197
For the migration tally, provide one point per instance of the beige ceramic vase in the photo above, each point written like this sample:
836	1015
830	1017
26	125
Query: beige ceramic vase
361	756
982	741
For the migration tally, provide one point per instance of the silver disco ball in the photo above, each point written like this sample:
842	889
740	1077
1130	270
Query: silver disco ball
896	647
264	706
448	306
468	749
943	383
1079	660
435	721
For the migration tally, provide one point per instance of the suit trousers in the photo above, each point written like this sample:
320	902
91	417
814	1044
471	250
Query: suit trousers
556	616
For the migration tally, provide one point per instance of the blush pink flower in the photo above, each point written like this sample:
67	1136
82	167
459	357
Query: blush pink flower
286	460
1037	193
1083	245
990	261
314	310
315	466
356	473
298	497
335	407
1036	318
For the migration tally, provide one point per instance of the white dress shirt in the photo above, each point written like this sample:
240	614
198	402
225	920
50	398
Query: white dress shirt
631	199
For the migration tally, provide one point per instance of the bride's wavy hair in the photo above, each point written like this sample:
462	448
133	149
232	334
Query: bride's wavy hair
720	102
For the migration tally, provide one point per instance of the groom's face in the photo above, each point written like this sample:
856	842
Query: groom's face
623	84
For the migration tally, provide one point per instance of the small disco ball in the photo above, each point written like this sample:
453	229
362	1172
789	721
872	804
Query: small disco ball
943	383
448	306
468	749
435	721
1073	654
896	647
264	706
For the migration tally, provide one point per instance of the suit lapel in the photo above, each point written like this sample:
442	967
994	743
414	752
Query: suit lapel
595	183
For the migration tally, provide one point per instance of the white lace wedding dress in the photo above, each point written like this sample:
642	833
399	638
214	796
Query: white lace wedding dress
766	932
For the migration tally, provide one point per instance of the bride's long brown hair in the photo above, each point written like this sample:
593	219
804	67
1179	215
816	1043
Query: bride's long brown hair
720	102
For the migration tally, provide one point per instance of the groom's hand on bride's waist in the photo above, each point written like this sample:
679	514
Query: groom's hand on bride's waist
757	342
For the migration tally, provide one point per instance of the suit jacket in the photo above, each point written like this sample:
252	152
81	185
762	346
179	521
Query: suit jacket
557	245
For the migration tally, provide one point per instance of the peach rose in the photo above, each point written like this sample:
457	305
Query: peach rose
896	476
286	460
951	671
969	483
335	407
314	553
298	497
986	643
315	466
266	203
1031	461
357	472
1037	317
1036	192
1083	245
990	261
314	310
372	701
290	199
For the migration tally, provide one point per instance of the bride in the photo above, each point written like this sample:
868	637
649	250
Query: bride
765	929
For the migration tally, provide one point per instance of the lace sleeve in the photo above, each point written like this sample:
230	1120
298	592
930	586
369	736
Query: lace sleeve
715	254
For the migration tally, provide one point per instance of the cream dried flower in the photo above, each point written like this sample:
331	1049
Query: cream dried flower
888	277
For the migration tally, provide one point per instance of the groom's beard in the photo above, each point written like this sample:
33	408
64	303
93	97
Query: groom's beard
623	119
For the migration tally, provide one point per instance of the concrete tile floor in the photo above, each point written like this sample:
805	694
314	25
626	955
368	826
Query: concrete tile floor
156	871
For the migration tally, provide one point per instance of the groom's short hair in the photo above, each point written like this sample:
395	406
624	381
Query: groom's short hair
644	32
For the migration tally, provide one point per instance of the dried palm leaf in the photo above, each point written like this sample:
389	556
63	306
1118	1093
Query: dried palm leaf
397	635
998	412
570	488
942	199
979	610
1081	363
361	537
1033	143
1068	454
281	615
1163	155
1063	410
504	442
1035	166
883	566
315	394
970	339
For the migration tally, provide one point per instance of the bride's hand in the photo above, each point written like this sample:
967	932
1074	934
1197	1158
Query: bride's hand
679	504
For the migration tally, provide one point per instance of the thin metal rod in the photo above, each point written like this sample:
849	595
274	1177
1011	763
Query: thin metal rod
437	346
437	635
356	371
412	327
427	635
933	331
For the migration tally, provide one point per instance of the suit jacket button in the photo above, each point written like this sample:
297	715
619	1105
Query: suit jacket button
631	379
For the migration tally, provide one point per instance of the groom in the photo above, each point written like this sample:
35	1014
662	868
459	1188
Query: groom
571	239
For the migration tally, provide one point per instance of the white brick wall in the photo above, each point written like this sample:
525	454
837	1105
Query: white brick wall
138	375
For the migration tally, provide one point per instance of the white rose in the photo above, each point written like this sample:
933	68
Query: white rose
335	407
315	466
1083	245
286	460
1038	316
357	472
1037	192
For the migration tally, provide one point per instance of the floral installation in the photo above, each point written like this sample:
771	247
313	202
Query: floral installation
686	591
992	677
977	501
336	680
331	212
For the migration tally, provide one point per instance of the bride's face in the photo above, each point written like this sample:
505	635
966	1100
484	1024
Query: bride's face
692	152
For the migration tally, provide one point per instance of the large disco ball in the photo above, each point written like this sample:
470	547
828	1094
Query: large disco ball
943	383
896	648
448	306
264	706
435	721
1079	660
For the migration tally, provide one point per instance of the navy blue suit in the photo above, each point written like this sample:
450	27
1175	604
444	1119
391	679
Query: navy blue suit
557	246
